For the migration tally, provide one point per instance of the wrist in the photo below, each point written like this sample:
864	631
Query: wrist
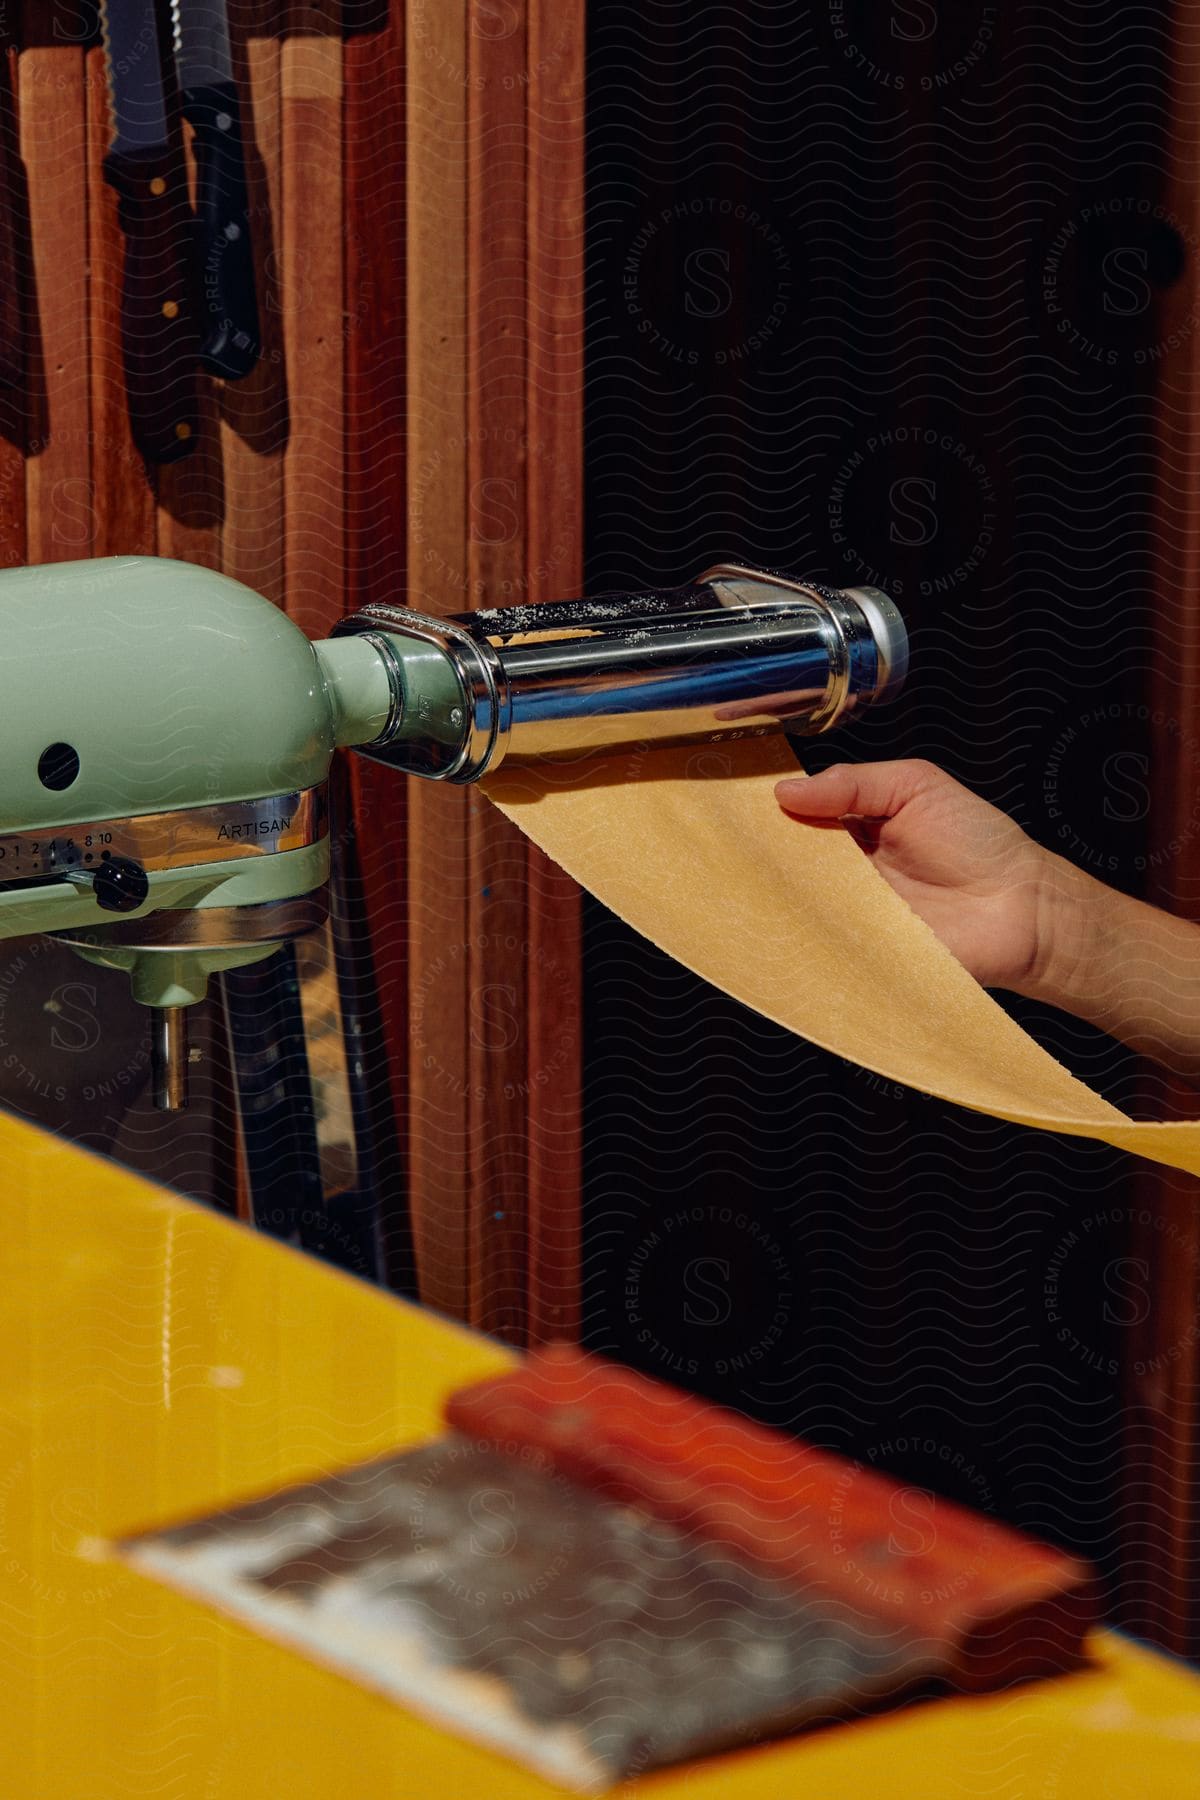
1076	919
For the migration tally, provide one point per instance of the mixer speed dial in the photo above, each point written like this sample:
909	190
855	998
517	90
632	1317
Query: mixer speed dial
119	884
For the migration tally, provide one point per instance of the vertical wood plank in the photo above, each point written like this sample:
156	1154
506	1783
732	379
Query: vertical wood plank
13	422
497	921
376	524
1161	1510
13	226
53	137
254	411
121	495
405	214
376	347
313	314
503	1046
554	314
436	183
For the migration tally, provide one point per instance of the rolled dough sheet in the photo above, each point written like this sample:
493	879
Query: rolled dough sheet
691	848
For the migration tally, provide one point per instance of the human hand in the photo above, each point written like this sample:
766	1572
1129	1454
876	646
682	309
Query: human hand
972	874
1015	915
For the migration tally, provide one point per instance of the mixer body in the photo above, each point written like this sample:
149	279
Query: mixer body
168	734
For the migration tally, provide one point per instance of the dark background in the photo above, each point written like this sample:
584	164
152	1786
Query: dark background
875	293
872	294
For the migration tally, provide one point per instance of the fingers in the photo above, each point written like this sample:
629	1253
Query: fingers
869	790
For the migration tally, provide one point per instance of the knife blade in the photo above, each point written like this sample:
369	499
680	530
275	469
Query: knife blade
157	336
229	326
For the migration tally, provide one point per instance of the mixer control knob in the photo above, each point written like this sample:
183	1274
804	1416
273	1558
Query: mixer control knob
120	884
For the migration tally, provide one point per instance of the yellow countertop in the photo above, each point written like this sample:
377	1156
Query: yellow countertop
161	1361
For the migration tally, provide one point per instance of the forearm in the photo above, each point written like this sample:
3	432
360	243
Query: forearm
1122	965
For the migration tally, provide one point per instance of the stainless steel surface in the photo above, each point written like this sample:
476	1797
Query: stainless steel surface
168	840
208	927
200	32
740	652
307	1049
329	1061
891	637
168	1057
735	584
450	706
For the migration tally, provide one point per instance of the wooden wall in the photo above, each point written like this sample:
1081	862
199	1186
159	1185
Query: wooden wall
1162	1449
412	433
495	485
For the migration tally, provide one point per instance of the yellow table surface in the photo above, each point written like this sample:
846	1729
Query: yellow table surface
161	1361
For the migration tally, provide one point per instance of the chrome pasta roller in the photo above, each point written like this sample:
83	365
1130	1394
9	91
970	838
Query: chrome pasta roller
738	652
168	735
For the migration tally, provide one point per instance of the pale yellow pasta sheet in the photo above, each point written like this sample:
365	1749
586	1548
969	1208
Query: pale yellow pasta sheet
690	847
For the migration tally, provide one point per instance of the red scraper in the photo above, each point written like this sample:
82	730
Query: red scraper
598	1574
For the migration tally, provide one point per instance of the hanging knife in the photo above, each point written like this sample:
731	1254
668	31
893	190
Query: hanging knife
158	340
229	333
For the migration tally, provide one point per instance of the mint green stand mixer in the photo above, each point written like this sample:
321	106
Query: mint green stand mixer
164	803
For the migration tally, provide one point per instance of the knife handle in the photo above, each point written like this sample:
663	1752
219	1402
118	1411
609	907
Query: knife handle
229	329
157	335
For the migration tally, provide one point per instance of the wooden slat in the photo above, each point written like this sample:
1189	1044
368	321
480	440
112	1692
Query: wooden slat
376	525
437	861
313	314
403	438
53	136
122	498
494	491
376	348
497	922
554	400
254	411
1161	1493
13	401
13	225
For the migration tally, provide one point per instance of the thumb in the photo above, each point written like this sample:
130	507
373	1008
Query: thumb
867	790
